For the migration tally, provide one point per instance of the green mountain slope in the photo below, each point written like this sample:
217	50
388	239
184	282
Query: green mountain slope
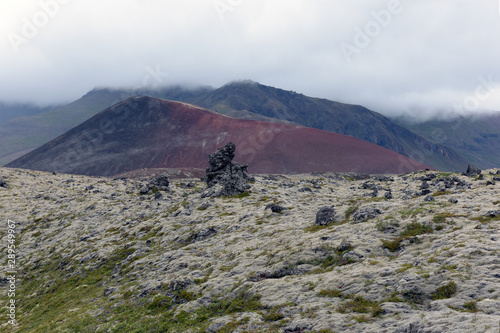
477	138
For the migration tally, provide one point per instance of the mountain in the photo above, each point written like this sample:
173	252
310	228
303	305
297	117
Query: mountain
13	110
245	100
20	135
476	137
354	120
23	133
94	255
146	132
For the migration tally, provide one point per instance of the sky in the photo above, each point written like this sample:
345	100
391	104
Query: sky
423	57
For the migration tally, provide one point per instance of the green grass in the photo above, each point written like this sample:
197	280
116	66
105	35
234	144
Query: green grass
411	230
415	229
445	291
440	193
330	293
359	304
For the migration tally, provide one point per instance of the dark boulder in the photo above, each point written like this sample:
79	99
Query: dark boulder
203	234
225	177
365	214
3	183
325	216
275	208
155	184
429	198
492	213
160	181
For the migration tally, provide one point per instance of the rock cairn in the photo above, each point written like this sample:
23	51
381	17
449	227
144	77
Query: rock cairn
225	177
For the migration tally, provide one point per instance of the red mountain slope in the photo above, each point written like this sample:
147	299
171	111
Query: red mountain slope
145	132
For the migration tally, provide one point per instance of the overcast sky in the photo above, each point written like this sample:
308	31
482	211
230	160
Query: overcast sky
391	56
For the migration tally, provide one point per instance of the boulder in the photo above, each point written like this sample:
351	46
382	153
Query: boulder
492	213
325	216
362	215
225	177
429	198
3	183
155	184
275	208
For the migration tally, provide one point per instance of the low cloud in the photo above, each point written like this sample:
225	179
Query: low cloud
392	56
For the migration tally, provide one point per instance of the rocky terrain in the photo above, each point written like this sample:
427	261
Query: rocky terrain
323	252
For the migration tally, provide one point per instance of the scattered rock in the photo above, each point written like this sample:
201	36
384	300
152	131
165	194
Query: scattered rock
3	183
362	215
225	177
275	208
155	184
412	328
453	200
429	198
108	291
325	216
202	234
179	284
492	213
204	206
344	246
388	195
160	181
305	189
427	177
298	328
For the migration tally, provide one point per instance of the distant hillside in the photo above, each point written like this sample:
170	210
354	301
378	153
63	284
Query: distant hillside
477	137
244	100
146	132
23	134
9	111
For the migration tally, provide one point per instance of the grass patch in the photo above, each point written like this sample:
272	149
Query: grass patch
445	291
405	267
415	229
471	306
411	230
314	228
359	304
441	193
239	196
392	245
330	293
